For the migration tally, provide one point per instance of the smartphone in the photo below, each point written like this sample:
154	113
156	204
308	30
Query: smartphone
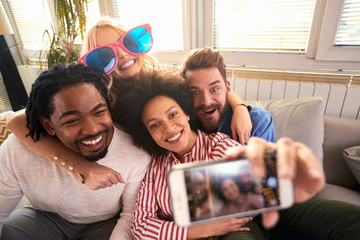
222	189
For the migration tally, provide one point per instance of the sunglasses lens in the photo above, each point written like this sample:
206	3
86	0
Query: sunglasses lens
102	58
138	40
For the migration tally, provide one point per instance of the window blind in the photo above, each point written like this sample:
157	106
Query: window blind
348	33
262	25
31	18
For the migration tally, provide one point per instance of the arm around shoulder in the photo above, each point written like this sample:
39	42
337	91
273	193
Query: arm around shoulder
50	148
240	123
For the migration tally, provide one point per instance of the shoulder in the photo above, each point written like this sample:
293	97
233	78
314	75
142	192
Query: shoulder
123	145
12	149
260	115
12	144
123	140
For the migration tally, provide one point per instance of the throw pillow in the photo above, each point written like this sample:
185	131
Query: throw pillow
301	119
4	119
352	159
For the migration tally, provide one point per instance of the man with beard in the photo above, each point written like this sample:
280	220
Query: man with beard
70	104
205	72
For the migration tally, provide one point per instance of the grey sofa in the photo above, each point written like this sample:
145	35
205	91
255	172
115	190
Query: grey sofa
302	120
341	184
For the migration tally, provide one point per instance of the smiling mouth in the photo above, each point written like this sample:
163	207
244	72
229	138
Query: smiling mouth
174	138
126	65
209	111
92	142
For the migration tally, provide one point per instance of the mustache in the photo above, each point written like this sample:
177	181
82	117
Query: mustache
207	107
90	136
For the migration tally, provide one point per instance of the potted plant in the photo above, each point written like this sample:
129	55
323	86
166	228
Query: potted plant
70	24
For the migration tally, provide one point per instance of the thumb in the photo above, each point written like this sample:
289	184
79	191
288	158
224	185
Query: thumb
270	219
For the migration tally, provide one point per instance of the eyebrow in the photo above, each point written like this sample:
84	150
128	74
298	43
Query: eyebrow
211	84
152	119
64	114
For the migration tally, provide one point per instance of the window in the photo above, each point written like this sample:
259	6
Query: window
340	41
296	34
281	47
164	16
30	29
348	33
262	25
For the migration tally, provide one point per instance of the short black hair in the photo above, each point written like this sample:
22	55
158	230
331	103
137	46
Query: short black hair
49	83
131	105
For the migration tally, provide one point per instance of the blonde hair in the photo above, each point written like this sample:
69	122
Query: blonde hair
149	63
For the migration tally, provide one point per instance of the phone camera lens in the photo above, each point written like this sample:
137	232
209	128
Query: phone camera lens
271	182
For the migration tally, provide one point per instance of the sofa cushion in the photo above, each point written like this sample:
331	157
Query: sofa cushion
4	119
301	119
352	159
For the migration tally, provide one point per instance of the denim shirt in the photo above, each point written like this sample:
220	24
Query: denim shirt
261	120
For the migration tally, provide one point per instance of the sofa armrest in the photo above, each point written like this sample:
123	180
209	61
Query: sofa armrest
339	133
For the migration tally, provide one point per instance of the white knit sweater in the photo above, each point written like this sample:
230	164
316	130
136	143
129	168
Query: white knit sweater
52	188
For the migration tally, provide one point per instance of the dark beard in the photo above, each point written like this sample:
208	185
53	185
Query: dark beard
211	128
207	128
97	157
100	155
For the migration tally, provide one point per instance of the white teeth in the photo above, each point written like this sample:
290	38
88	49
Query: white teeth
174	138
92	142
210	110
128	64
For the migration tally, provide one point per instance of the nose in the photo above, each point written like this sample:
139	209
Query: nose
90	126
205	99
167	126
121	53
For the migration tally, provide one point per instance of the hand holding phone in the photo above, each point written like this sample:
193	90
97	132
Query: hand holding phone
223	189
295	161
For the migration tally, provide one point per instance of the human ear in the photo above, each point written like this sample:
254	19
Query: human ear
47	125
228	86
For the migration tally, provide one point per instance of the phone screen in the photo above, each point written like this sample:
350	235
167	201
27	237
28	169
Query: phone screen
216	190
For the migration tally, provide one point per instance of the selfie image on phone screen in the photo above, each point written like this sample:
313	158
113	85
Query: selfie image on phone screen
229	188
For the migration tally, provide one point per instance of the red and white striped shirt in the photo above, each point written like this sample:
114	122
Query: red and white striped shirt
153	216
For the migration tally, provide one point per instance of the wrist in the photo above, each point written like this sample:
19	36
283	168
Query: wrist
248	107
87	171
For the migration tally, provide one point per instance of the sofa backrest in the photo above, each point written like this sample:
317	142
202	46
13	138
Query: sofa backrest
301	119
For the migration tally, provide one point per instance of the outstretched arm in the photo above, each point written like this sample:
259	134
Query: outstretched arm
295	161
240	123
95	176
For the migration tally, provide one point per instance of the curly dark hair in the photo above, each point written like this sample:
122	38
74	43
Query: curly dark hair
49	83
131	104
